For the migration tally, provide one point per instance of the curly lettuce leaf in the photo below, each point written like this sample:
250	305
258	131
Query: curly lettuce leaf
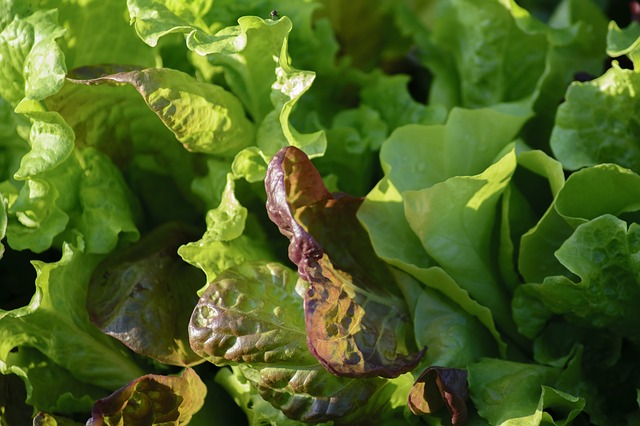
204	117
586	195
624	41
51	140
255	59
33	65
230	239
84	194
602	253
598	122
246	51
153	400
352	300
143	296
276	130
49	386
74	343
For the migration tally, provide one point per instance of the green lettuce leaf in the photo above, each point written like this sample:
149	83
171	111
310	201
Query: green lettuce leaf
419	158
454	336
602	254
606	131
623	41
352	144
586	195
276	130
143	296
204	117
536	181
83	45
152	400
510	393
51	140
389	95
50	387
501	39
34	67
116	121
255	59
452	219
74	343
84	194
229	240
12	145
156	18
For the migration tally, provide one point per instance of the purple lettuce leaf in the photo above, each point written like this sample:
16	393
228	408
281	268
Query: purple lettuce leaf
439	387
251	316
152	400
357	323
144	295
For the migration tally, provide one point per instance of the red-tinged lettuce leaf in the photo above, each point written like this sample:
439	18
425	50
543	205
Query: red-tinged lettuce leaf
357	323
251	316
312	394
143	296
251	313
440	386
152	400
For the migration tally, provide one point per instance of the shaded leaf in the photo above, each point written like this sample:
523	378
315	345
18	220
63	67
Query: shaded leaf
76	345
143	296
439	387
152	400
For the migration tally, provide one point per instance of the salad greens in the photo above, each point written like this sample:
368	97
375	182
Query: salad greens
283	212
